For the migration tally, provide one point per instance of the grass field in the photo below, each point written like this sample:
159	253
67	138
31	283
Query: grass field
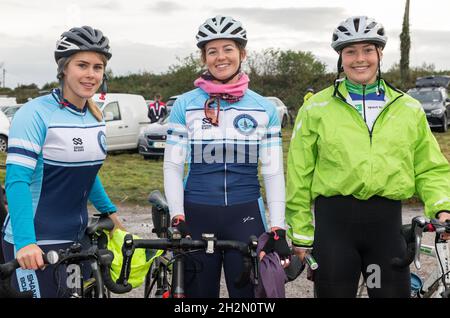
128	178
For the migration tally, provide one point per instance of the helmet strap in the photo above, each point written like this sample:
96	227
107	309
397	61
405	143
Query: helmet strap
339	70
62	102
379	72
104	87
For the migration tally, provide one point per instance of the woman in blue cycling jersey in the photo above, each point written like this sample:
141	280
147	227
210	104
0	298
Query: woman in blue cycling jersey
222	129
56	147
359	147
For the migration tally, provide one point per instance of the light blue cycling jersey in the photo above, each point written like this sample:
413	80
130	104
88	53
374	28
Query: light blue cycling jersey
54	154
223	160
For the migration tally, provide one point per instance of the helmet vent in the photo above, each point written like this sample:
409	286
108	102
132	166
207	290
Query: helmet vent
356	23
226	27
236	31
210	29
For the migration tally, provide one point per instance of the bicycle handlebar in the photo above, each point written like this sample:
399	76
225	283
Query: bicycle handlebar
70	255
105	258
209	244
412	234
7	270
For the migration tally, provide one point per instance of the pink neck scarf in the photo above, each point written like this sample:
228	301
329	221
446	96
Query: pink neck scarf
228	92
231	93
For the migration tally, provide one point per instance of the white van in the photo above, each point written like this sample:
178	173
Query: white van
125	115
7	101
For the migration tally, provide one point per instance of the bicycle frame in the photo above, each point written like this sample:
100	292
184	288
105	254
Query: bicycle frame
159	275
432	285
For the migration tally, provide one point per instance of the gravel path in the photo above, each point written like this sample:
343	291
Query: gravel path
137	220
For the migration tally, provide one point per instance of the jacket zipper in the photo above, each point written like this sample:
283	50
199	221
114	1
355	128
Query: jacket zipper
376	119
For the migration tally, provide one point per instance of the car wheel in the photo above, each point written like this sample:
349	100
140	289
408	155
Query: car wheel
284	121
3	144
444	124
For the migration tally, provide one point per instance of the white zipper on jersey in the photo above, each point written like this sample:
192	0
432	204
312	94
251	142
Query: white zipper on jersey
225	157
81	227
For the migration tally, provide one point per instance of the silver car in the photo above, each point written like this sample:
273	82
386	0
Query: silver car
282	110
152	139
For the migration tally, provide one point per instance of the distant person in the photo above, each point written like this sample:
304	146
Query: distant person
309	93
157	109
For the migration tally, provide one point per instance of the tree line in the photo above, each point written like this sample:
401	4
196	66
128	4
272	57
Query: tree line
272	72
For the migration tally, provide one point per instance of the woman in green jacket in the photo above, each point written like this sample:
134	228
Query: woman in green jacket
358	148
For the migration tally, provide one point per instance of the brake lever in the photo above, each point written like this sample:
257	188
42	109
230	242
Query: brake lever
418	225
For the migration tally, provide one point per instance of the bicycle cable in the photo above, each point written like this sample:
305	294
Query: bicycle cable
442	267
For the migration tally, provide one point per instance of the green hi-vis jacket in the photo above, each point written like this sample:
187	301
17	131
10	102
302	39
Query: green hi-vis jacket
332	152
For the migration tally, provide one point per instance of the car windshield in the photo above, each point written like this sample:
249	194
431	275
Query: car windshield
426	96
170	102
99	104
10	110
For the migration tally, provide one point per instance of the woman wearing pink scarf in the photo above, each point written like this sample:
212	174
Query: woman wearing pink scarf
222	130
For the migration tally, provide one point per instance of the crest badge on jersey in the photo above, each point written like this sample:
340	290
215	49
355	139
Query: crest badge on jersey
245	124
101	137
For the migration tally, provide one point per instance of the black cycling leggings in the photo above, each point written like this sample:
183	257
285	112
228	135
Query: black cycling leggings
354	237
203	271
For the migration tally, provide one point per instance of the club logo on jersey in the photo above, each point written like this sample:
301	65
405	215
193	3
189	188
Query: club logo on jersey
77	145
77	141
245	124
206	123
101	137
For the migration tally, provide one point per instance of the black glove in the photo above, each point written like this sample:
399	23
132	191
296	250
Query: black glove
181	226
277	243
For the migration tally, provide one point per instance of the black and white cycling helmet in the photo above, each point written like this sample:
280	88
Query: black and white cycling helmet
358	29
85	38
221	27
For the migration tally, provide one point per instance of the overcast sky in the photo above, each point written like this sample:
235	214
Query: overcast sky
150	35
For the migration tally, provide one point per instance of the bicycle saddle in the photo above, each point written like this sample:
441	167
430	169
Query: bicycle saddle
98	224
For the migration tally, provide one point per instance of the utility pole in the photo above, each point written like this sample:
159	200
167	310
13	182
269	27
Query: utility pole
405	45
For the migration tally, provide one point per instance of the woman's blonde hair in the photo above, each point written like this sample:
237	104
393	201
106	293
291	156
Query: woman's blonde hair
92	106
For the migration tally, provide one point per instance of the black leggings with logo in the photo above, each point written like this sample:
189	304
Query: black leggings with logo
354	237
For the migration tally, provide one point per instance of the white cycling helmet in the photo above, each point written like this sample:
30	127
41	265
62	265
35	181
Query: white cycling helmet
358	29
221	27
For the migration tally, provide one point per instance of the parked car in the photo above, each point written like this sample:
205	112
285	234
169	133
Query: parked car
282	110
435	101
9	111
152	139
170	102
4	132
6	101
125	115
